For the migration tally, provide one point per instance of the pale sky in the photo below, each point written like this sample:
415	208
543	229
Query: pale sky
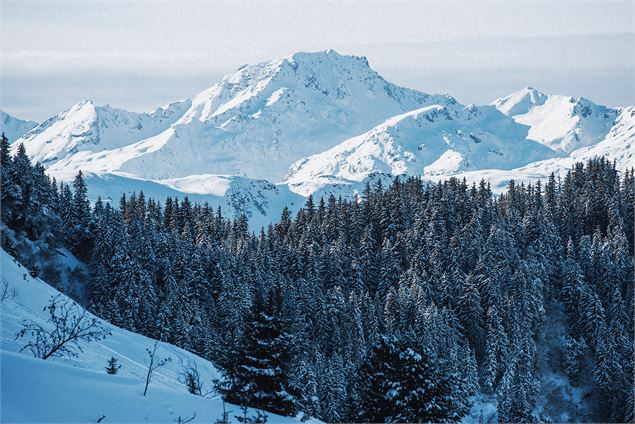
140	55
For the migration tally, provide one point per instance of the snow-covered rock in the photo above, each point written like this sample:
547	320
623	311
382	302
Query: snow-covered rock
561	123
14	128
434	140
87	128
254	123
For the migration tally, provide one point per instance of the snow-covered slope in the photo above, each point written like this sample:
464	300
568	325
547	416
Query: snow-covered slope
433	140
258	120
88	128
14	128
261	201
79	390
559	122
618	146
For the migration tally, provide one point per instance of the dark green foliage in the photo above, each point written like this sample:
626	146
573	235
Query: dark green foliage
258	376
465	279
113	365
399	384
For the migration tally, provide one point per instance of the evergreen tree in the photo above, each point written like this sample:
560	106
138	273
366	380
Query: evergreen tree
259	379
79	229
399	384
10	192
113	365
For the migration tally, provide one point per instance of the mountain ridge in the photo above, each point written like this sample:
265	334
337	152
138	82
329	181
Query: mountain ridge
562	123
274	111
14	128
266	123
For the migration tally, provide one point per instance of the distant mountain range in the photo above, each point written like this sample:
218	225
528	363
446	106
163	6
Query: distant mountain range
268	134
14	128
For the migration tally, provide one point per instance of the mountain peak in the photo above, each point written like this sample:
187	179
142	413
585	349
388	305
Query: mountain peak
562	123
520	101
86	127
328	55
327	72
263	117
83	104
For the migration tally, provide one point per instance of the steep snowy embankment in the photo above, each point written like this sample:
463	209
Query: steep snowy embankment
79	390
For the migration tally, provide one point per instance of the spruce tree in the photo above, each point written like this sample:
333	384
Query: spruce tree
113	365
259	377
399	384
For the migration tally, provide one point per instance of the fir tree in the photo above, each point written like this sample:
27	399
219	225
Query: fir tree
113	365
259	377
399	384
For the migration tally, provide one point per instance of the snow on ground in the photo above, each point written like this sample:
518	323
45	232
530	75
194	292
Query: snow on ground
261	201
79	390
483	410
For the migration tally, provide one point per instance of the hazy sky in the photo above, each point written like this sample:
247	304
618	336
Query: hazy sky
140	55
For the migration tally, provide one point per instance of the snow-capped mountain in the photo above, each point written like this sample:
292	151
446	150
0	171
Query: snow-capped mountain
561	123
618	146
433	140
520	102
88	128
322	122
14	128
255	122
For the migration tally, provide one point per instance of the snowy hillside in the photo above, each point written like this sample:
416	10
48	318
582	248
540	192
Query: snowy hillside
14	128
261	201
253	123
434	140
79	390
559	122
88	128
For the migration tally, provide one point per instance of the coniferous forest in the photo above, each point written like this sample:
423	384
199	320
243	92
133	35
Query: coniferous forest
400	305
